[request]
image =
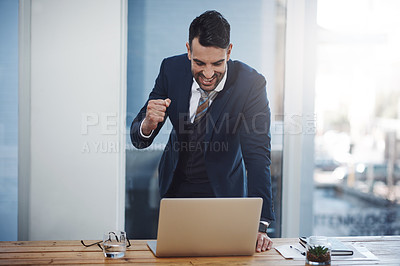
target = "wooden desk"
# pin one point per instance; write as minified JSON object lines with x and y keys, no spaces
{"x":386,"y":248}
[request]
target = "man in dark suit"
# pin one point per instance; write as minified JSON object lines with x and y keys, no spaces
{"x":220,"y":142}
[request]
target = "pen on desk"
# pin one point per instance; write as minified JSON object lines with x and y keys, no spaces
{"x":301,"y":252}
{"x":303,"y":241}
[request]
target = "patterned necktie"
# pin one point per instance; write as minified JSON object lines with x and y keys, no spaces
{"x":204,"y":102}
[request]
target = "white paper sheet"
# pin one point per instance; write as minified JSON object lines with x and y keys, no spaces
{"x":294,"y":251}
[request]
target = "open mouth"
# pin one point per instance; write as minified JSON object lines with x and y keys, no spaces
{"x":207,"y":82}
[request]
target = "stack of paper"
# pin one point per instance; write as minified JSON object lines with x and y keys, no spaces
{"x":297,"y":252}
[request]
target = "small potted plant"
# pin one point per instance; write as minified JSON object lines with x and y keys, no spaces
{"x":318,"y":251}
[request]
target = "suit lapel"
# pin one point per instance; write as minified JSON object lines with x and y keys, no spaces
{"x":184,"y":93}
{"x":217,"y":106}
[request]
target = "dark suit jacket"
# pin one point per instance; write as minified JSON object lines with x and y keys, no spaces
{"x":237,"y":136}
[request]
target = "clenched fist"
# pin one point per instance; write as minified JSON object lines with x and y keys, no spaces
{"x":155,"y":114}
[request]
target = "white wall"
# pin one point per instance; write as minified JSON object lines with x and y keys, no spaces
{"x":76,"y":180}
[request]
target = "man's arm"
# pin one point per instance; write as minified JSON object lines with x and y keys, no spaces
{"x":152,"y":116}
{"x":256,"y":147}
{"x":255,"y":143}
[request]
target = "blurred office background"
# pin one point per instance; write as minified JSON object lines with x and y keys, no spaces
{"x":357,"y":85}
{"x":73,"y":75}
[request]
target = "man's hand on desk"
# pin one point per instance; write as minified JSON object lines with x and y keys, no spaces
{"x":263,"y":242}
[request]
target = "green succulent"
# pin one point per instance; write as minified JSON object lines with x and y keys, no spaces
{"x":318,"y":254}
{"x":318,"y":250}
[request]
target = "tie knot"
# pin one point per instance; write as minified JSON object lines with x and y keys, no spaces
{"x":204,"y":102}
{"x":203,"y":93}
{"x":207,"y":94}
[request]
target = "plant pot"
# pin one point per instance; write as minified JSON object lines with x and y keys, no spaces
{"x":318,"y":251}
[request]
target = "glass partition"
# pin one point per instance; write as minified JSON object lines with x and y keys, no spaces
{"x":8,"y":120}
{"x":357,"y":145}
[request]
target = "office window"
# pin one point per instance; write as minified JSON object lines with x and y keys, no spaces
{"x":159,"y":29}
{"x":8,"y":120}
{"x":357,"y":145}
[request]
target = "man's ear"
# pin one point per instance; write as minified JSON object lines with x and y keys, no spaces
{"x":228,"y":52}
{"x":188,"y":51}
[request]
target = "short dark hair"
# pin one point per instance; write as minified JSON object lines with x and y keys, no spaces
{"x":211,"y":28}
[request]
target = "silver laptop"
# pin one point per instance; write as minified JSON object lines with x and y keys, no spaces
{"x":207,"y":227}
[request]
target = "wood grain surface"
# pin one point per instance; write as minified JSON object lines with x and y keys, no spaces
{"x":386,"y":248}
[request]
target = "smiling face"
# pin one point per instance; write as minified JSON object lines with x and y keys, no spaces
{"x":208,"y":63}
